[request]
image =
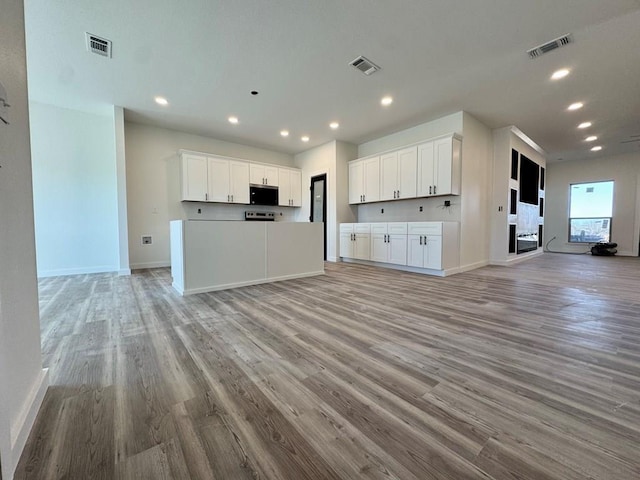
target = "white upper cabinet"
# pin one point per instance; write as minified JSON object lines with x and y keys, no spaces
{"x":398,"y":174}
{"x":290,"y":187}
{"x":239,"y":182}
{"x":214,"y":179}
{"x":193,"y":174}
{"x":260,"y":174}
{"x":364,"y":180}
{"x":439,"y":165}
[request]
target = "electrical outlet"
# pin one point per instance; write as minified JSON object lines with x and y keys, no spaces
{"x":382,"y":210}
{"x":447,"y":203}
{"x":147,"y":240}
{"x":199,"y":210}
{"x":420,"y":208}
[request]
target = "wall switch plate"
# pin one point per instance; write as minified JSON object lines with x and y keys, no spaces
{"x":147,"y":240}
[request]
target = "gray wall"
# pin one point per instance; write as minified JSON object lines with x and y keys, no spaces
{"x":624,"y":170}
{"x":22,"y":380}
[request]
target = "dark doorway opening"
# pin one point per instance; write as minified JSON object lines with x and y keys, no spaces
{"x":318,"y":205}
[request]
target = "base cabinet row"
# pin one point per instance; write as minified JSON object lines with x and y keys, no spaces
{"x":428,"y":245}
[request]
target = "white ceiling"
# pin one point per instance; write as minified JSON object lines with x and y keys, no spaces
{"x":437,"y":57}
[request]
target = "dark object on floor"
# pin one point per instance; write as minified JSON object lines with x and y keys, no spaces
{"x":604,"y":249}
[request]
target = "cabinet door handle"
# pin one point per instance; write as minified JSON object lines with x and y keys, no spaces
{"x":425,"y":239}
{"x":430,"y":187}
{"x":434,"y":189}
{"x":228,"y":198}
{"x":398,"y":193}
{"x":206,"y":196}
{"x":394,"y":194}
{"x":231,"y":198}
{"x":420,"y":239}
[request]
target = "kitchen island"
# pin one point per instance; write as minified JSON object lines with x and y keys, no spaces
{"x":208,"y":255}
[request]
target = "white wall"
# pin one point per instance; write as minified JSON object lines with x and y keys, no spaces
{"x":22,"y":380}
{"x":450,"y":124}
{"x":477,"y":173}
{"x":75,"y":191}
{"x":153,"y":187}
{"x":624,"y":170}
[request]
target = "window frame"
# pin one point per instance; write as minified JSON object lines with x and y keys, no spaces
{"x":594,"y":218}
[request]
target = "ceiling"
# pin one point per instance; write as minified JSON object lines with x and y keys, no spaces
{"x":437,"y":57}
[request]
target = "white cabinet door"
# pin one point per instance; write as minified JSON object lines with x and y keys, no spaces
{"x":263,"y":174}
{"x":284,"y":190}
{"x":407,"y":173}
{"x":426,"y":160}
{"x":442,"y":166}
{"x":290,"y":189}
{"x":346,"y":244}
{"x":295,"y":188}
{"x":356,"y":182}
{"x":239,"y":182}
{"x":389,"y":176}
{"x":397,"y":249}
{"x":433,"y":252}
{"x":415,"y":251}
{"x":256,"y":174}
{"x":379,"y":247}
{"x":218,"y":179}
{"x":194,"y":178}
{"x":362,"y":248}
{"x":371,"y":175}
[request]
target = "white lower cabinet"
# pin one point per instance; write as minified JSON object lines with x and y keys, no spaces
{"x":423,"y":245}
{"x":389,"y":243}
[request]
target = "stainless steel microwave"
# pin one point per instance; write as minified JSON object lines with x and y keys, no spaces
{"x":263,"y":195}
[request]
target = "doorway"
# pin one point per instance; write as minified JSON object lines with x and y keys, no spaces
{"x":318,"y":205}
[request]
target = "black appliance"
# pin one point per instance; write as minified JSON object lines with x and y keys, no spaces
{"x":263,"y":195}
{"x":260,"y":216}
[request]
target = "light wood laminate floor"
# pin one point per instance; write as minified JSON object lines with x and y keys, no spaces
{"x":526,"y":372}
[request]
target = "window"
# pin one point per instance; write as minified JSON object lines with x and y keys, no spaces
{"x":590,"y":211}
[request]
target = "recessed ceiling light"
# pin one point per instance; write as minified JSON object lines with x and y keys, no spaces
{"x":284,"y":133}
{"x":304,"y":138}
{"x":558,"y":74}
{"x":386,"y":101}
{"x":233,"y":120}
{"x":575,"y":106}
{"x":592,"y":138}
{"x":161,"y":101}
{"x":585,"y":125}
{"x":597,"y":148}
{"x":334,"y":125}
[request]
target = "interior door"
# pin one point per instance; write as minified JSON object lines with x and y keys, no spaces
{"x":318,"y":205}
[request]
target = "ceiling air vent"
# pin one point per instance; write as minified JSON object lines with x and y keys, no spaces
{"x":98,"y":45}
{"x":365,"y":65}
{"x":549,"y":46}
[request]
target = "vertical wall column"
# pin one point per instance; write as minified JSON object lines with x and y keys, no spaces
{"x":121,"y":179}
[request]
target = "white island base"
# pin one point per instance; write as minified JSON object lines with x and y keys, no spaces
{"x":211,"y":255}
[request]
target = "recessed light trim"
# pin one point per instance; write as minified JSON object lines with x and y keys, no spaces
{"x":334,"y":125}
{"x":161,"y":101}
{"x":304,"y":138}
{"x":233,"y":120}
{"x":386,"y":101}
{"x":592,"y":138}
{"x":597,"y":148}
{"x":575,"y":106}
{"x":558,"y":74}
{"x":585,"y":125}
{"x":284,"y":133}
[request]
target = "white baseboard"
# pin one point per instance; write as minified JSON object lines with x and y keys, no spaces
{"x":123,"y":272}
{"x":215,"y":288}
{"x":513,"y":260}
{"x":332,"y":259}
{"x":473,"y":266}
{"x":138,"y":266}
{"x":21,"y":428}
{"x":405,"y":268}
{"x":59,"y":272}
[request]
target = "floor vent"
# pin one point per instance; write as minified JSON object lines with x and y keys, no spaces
{"x":97,"y":45}
{"x":365,"y":65}
{"x":550,"y":46}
